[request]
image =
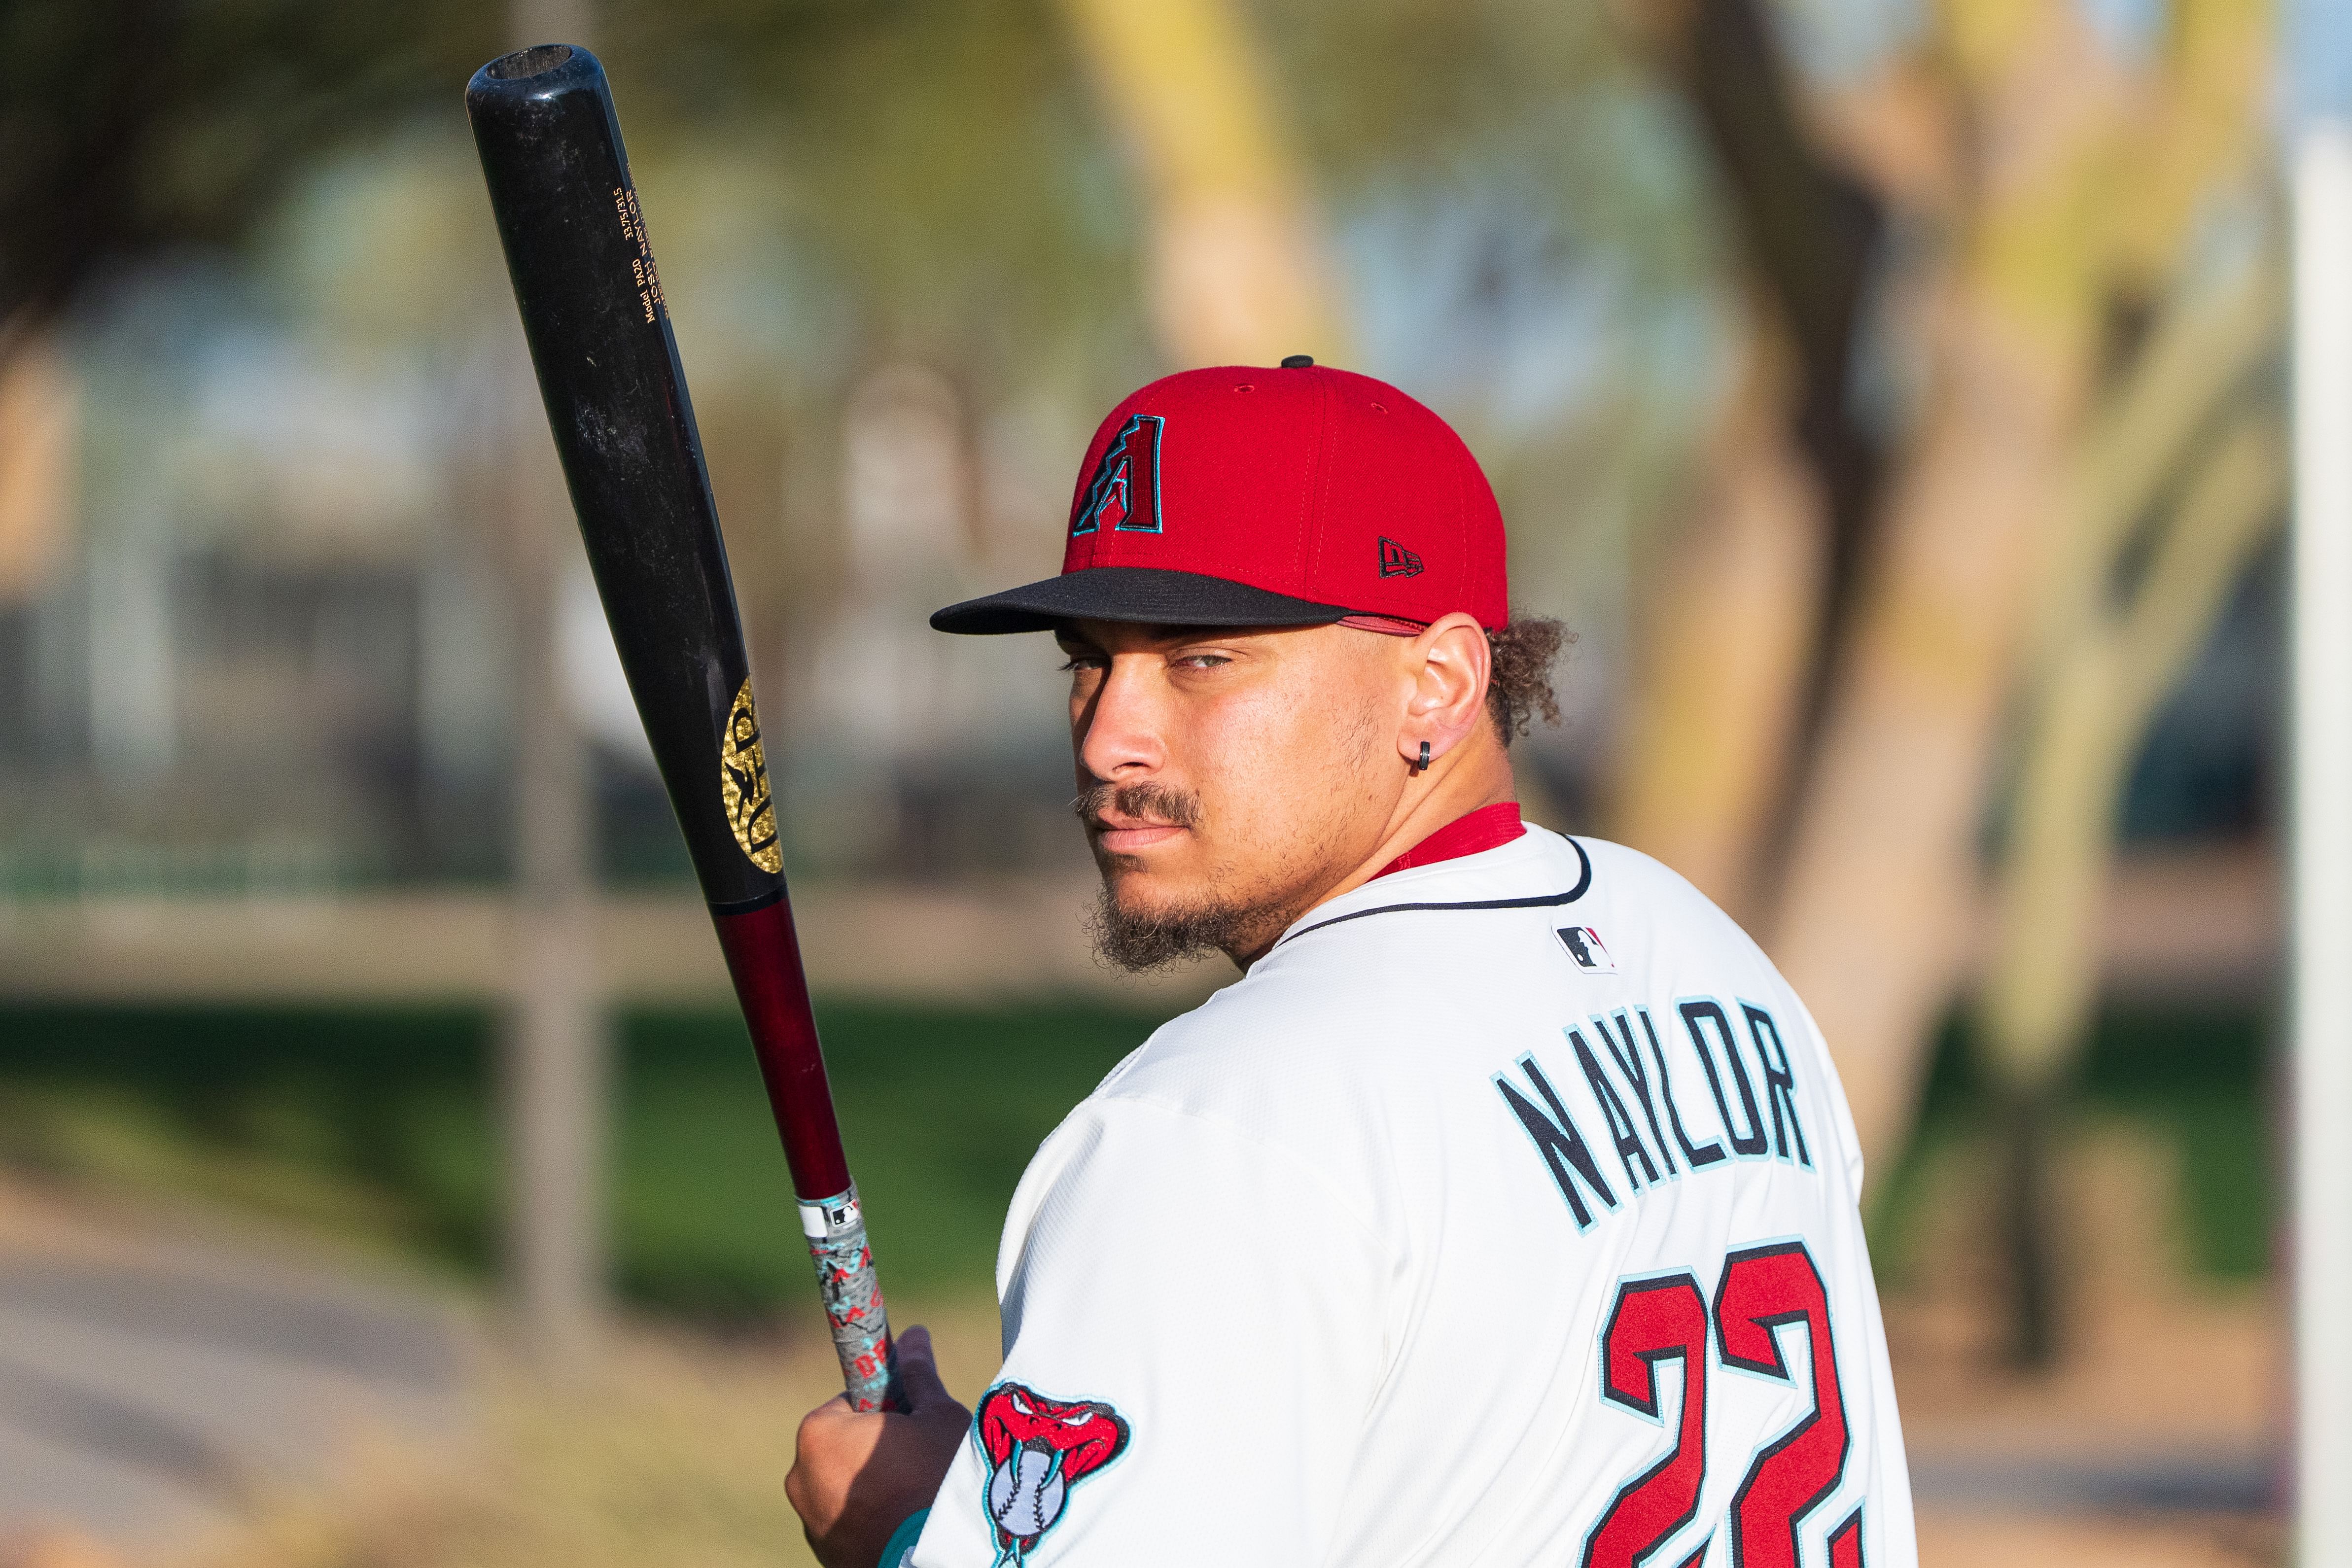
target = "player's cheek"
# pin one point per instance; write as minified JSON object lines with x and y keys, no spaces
{"x":1245,"y":761}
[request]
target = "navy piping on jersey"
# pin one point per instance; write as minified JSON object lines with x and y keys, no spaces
{"x":1549,"y":900}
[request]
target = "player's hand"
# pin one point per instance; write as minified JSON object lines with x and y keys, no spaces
{"x":855,"y":1479}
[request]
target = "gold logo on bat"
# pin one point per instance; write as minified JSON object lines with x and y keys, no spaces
{"x":743,"y":785}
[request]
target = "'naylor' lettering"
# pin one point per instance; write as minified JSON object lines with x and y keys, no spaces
{"x":1621,"y":1131}
{"x":1779,"y":1083}
{"x":1769,"y":1129}
{"x":1705,"y":1154}
{"x":1628,"y":1058}
{"x":1698,"y":1014}
{"x":1555,"y":1135}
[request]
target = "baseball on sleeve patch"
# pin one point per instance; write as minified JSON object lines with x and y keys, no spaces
{"x":1037,"y":1449}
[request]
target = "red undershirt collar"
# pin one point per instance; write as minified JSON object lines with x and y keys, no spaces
{"x":1487,"y":827}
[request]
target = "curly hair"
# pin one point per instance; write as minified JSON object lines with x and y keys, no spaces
{"x":1520,"y":687}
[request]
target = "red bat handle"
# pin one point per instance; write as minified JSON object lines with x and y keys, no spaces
{"x":764,"y":957}
{"x":764,"y":954}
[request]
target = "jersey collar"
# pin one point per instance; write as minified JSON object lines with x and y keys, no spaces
{"x":1517,"y":872}
{"x":1487,"y":827}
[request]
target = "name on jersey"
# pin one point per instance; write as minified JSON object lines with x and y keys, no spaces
{"x":1634,"y":1089}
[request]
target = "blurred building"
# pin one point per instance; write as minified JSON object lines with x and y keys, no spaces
{"x":253,"y":625}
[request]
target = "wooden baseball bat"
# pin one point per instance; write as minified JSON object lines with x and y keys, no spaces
{"x":616,"y":402}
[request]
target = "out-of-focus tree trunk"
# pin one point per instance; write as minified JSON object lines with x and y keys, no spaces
{"x":555,"y":1049}
{"x":2100,"y":693}
{"x":2056,"y":188}
{"x":1731,"y":607}
{"x":38,"y":404}
{"x":2100,"y":672}
{"x":1238,"y":276}
{"x":1874,"y":919}
{"x":2081,"y":193}
{"x":1748,"y":618}
{"x":1873,"y":922}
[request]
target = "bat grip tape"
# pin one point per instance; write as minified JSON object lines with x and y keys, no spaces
{"x":854,"y":1308}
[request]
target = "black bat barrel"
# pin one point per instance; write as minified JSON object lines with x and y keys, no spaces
{"x":600,"y":339}
{"x":616,"y":402}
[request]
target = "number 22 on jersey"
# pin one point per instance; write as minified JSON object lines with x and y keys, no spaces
{"x":1664,"y":1318}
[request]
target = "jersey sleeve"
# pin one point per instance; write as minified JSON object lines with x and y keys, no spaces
{"x":1841,"y":1114}
{"x":1194,"y":1327}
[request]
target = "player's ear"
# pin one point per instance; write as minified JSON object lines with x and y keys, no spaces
{"x":1450,"y":664}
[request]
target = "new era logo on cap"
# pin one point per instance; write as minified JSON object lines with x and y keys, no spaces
{"x":1396,"y":560}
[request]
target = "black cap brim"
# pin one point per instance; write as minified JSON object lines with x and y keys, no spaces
{"x":1145,"y":594}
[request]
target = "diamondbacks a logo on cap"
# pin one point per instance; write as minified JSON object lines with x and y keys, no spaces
{"x":1396,"y":560}
{"x":1125,"y":495}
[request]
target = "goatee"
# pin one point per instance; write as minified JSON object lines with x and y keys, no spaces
{"x":1139,"y":941}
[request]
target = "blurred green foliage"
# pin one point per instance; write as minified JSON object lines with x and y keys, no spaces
{"x":2198,"y":1078}
{"x":379,"y":1127}
{"x":931,"y":154}
{"x":136,"y":126}
{"x":1524,"y":219}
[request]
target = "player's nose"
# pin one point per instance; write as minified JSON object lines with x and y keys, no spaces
{"x":1119,"y":737}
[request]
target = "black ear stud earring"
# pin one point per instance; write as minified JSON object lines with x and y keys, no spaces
{"x":1423,"y":765}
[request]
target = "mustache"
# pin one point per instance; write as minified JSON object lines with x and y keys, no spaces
{"x":1151,"y":803}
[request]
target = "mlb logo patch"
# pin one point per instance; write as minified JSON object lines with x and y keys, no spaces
{"x":1584,"y":945}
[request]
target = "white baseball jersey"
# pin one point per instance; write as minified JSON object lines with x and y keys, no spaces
{"x":1503,"y":1214}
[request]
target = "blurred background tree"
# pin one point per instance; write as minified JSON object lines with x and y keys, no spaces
{"x":2010,"y":211}
{"x":1848,"y":373}
{"x":1885,"y":391}
{"x":137,"y":126}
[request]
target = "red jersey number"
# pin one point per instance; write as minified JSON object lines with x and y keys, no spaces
{"x":1654,"y":1320}
{"x":1763,"y":1290}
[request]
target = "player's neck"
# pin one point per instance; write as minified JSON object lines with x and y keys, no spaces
{"x":1475,"y":776}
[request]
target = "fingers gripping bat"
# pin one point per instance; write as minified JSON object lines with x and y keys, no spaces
{"x":608,"y":370}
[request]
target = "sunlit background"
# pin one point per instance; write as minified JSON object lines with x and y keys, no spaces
{"x":1891,"y":396}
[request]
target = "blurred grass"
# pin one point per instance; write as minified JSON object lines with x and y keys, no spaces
{"x":2196,"y":1077}
{"x":670,"y":1456}
{"x":378,"y":1126}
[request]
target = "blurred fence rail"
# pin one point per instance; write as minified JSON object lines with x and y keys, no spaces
{"x":1013,"y":938}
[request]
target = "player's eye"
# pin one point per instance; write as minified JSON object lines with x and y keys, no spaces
{"x":1202,"y":661}
{"x":1082,"y":662}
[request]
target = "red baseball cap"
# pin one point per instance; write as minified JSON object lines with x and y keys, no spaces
{"x":1245,"y":497}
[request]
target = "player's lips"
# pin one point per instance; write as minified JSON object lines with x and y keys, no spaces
{"x":1118,"y":833}
{"x":1135,"y":819}
{"x":1127,"y":841}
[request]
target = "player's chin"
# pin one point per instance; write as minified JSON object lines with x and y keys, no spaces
{"x":1144,"y":887}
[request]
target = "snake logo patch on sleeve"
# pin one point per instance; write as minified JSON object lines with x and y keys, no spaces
{"x":1037,"y":1449}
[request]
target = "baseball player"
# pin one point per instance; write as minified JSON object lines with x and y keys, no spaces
{"x":1503,"y":1212}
